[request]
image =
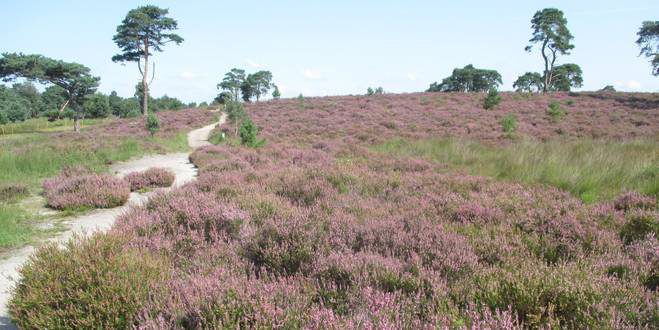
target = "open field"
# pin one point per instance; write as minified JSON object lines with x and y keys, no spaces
{"x":28,"y":158}
{"x":393,"y":211}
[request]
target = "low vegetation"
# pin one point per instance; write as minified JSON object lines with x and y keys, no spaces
{"x":32,"y":157}
{"x":154,"y":177}
{"x":589,"y":169}
{"x":353,"y":216}
{"x":79,"y":188}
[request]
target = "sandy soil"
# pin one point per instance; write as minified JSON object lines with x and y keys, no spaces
{"x":101,"y":220}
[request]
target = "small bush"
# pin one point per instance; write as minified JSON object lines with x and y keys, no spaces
{"x":248,"y":132}
{"x":78,"y":188}
{"x":633,"y":200}
{"x":492,"y":99}
{"x":509,"y":124}
{"x":152,"y":178}
{"x":639,"y":225}
{"x":92,"y":283}
{"x":152,"y":123}
{"x":9,"y":192}
{"x":555,"y":111}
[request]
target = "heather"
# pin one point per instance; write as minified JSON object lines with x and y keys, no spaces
{"x":79,"y":188}
{"x":319,"y":229}
{"x":154,"y":177}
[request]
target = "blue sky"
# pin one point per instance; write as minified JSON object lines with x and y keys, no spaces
{"x":334,"y":47}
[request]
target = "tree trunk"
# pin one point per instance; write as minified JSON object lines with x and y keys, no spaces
{"x":546,"y":73}
{"x":62,"y":108}
{"x":145,"y":75}
{"x":76,"y":121}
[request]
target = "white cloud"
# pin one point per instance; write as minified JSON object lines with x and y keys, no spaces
{"x":631,"y":84}
{"x":312,"y":74}
{"x":253,"y":64}
{"x":187,"y":75}
{"x":411,"y":76}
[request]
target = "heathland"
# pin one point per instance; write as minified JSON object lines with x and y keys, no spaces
{"x":386,"y":211}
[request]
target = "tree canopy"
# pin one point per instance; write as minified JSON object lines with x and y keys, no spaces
{"x":256,"y":84}
{"x":74,"y":79}
{"x":648,"y":40}
{"x":468,"y":79}
{"x":232,"y":82}
{"x":529,"y":82}
{"x":551,"y":32}
{"x":145,"y":30}
{"x":566,"y":77}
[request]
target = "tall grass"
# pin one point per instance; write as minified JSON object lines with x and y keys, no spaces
{"x":33,"y":157}
{"x":590,"y":169}
{"x":15,"y":228}
{"x":28,"y":159}
{"x":43,"y":125}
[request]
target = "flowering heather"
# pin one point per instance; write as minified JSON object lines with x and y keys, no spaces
{"x":79,"y":188}
{"x":151,"y":178}
{"x":171,"y":122}
{"x":317,"y":231}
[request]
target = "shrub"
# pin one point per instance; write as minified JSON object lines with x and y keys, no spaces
{"x":152,"y":178}
{"x":555,"y":111}
{"x":248,"y":132}
{"x":492,"y":99}
{"x":152,"y":123}
{"x":78,"y":188}
{"x":633,"y":200}
{"x":639,"y":224}
{"x":565,"y":296}
{"x":9,"y":192}
{"x":92,"y":282}
{"x":509,"y":124}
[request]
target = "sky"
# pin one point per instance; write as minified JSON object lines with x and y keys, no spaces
{"x":337,"y":47}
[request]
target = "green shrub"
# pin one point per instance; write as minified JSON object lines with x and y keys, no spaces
{"x":91,"y":283}
{"x":152,"y":123}
{"x":566,"y":296}
{"x":555,"y":111}
{"x":639,"y":224}
{"x":248,"y":132}
{"x":300,"y":99}
{"x":509,"y":124}
{"x":492,"y":99}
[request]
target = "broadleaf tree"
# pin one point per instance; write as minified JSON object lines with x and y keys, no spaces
{"x":74,"y":78}
{"x":551,"y":32}
{"x":648,"y":40}
{"x":468,"y":79}
{"x":144,"y":31}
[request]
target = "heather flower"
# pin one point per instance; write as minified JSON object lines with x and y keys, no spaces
{"x":152,"y":178}
{"x":80,"y":188}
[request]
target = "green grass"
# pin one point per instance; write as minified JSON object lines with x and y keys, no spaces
{"x":590,"y":170}
{"x":27,"y":159}
{"x":15,"y":228}
{"x":43,"y":125}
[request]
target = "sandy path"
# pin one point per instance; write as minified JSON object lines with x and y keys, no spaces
{"x":102,"y":219}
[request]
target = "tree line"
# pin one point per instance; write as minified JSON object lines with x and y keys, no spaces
{"x":553,"y":38}
{"x":24,"y":101}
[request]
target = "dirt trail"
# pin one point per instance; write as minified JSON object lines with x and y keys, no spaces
{"x":102,"y":219}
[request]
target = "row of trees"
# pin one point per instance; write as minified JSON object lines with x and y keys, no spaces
{"x":553,"y":38}
{"x":236,"y":84}
{"x":24,"y":101}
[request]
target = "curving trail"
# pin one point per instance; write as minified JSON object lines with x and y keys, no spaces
{"x":102,"y":219}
